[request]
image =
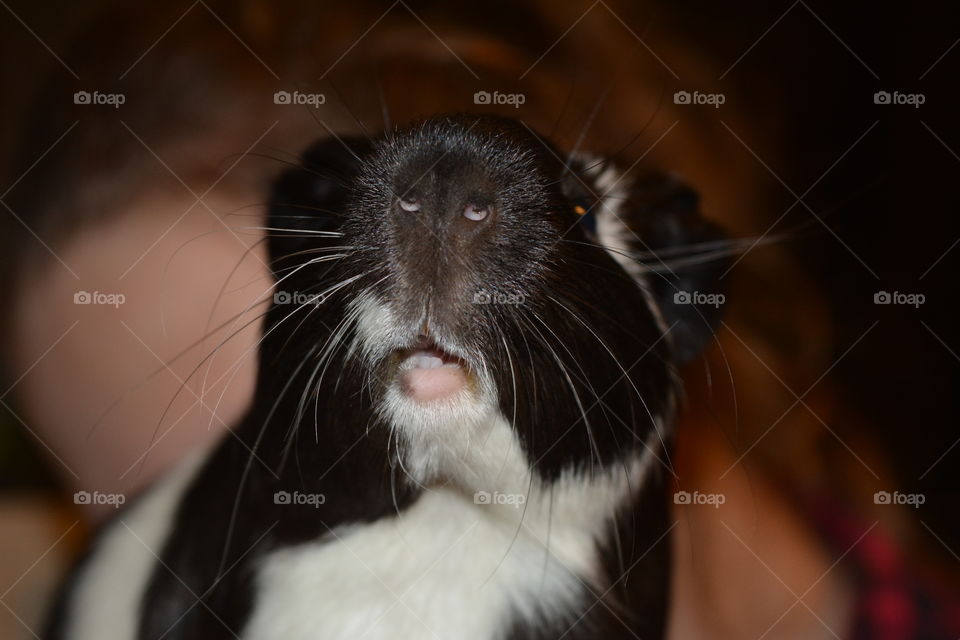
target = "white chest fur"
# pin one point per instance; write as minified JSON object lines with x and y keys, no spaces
{"x":448,"y":567}
{"x":443,"y":569}
{"x":106,"y":600}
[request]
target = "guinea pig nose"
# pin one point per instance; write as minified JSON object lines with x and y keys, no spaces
{"x":477,"y":213}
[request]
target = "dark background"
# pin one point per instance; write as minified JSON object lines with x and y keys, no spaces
{"x":893,"y":200}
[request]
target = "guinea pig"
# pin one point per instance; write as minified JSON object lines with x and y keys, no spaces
{"x":462,"y":422}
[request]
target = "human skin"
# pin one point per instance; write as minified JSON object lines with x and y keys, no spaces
{"x":113,"y":392}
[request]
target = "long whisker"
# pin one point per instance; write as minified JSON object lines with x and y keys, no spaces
{"x":576,"y":395}
{"x":264,"y":292}
{"x":626,"y":374}
{"x":325,"y":295}
{"x":169,"y":363}
{"x":256,"y":444}
{"x":312,"y":232}
{"x":231,"y":525}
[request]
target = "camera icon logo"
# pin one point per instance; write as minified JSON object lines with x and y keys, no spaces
{"x":82,"y":497}
{"x":282,"y":297}
{"x":882,"y":97}
{"x":282,"y":97}
{"x":482,"y":97}
{"x":82,"y":297}
{"x":482,"y":497}
{"x":682,"y":497}
{"x":882,"y":297}
{"x":882,"y":497}
{"x":281,"y":497}
{"x":682,"y":97}
{"x":481,"y":297}
{"x":81,"y":97}
{"x":682,"y":297}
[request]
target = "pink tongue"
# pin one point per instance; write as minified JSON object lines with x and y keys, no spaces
{"x":427,"y":385}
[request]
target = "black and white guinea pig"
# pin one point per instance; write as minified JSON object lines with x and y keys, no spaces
{"x":463,"y":414}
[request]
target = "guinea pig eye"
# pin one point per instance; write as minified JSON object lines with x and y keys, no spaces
{"x":475,"y":213}
{"x":410,"y":205}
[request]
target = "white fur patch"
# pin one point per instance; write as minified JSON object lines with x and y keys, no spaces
{"x":612,"y":232}
{"x":105,"y":601}
{"x":436,"y":438}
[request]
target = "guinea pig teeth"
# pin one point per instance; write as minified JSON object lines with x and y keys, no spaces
{"x":423,"y":361}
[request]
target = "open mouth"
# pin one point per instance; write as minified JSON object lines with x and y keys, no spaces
{"x":427,"y":373}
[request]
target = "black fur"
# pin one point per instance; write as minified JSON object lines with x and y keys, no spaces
{"x":666,"y":215}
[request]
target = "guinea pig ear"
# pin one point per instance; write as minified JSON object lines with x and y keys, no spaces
{"x":310,"y":197}
{"x":657,"y":220}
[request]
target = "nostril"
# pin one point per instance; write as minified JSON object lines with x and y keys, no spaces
{"x":411,"y":205}
{"x":477,"y":212}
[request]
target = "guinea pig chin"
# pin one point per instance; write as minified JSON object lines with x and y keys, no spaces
{"x":414,"y":366}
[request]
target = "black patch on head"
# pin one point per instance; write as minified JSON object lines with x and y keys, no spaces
{"x":680,"y":253}
{"x":665,"y":216}
{"x":310,"y":196}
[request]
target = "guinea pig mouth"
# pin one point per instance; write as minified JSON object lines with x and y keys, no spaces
{"x":426,"y":373}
